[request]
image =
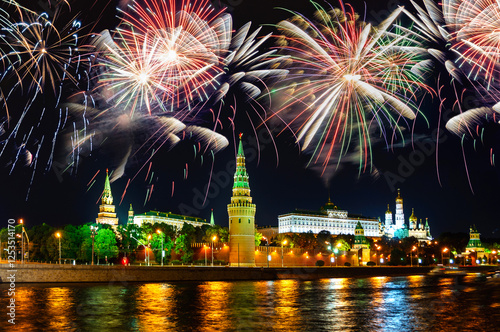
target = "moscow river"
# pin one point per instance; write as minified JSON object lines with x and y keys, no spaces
{"x":414,"y":303}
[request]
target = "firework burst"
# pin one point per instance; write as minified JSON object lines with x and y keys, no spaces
{"x":463,"y":36}
{"x":167,"y":55}
{"x":41,"y":54}
{"x":346,"y":76}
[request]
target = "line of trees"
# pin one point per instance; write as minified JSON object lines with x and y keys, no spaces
{"x":111,"y":245}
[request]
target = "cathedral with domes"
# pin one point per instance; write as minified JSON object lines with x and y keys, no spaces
{"x":397,"y":227}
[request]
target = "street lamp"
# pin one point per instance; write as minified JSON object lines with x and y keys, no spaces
{"x":58,"y":235}
{"x":205,"y":247}
{"x":93,"y":231}
{"x":282,"y":243}
{"x":268,"y":258}
{"x":336,"y":251}
{"x":411,"y":255}
{"x":161,"y":237}
{"x":213,"y":240}
{"x":22,"y":241}
{"x":329,"y":248}
{"x":378,"y":254}
{"x":444,"y":250}
{"x":149,"y":246}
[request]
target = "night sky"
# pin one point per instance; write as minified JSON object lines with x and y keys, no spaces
{"x":279,"y":182}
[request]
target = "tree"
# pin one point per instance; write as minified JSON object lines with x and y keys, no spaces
{"x":71,"y":241}
{"x":85,"y":252}
{"x":398,"y":257}
{"x":342,"y":244}
{"x":183,"y":247}
{"x":306,"y":240}
{"x":258,"y":237}
{"x":183,"y":242}
{"x":105,"y":244}
{"x":159,"y":239}
{"x":323,"y":239}
{"x":347,"y":238}
{"x":223,"y":234}
{"x":43,"y":243}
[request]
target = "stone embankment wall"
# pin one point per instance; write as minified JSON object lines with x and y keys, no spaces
{"x":86,"y":273}
{"x":52,"y":273}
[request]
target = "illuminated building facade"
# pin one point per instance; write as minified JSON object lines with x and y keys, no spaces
{"x":241,"y":213}
{"x":399,"y":228}
{"x":175,"y":220}
{"x":328,"y":218}
{"x":107,"y":214}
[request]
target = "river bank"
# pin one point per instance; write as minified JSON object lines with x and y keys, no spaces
{"x":53,"y":273}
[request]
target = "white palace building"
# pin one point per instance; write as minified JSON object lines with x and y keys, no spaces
{"x":329,"y":218}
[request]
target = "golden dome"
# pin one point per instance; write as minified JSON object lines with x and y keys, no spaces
{"x":412,"y":217}
{"x":399,"y":199}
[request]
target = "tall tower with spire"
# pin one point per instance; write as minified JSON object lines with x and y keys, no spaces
{"x":212,"y":221}
{"x":399,"y":217}
{"x":130,"y":215}
{"x":241,"y":217}
{"x":107,"y":213}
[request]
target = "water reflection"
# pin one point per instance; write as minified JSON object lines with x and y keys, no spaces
{"x":414,"y":303}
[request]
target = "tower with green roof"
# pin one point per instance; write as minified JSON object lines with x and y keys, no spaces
{"x":107,"y":214}
{"x":475,"y":249}
{"x":361,"y":243}
{"x":241,"y":212}
{"x":474,"y":241}
{"x":130,"y":215}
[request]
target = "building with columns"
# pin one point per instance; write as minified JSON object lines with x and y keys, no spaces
{"x":241,"y":213}
{"x":168,"y":218}
{"x":107,"y":214}
{"x":328,"y":218}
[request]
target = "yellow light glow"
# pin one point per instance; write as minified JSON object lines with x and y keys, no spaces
{"x":158,"y":231}
{"x":149,"y":237}
{"x":214,"y":238}
{"x":284,"y":242}
{"x":21,"y":221}
{"x":58,"y":234}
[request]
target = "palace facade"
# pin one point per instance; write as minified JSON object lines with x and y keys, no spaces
{"x":328,"y":218}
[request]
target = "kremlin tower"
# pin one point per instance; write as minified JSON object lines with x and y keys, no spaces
{"x":107,"y":213}
{"x":241,"y":217}
{"x":399,"y":217}
{"x":130,"y":215}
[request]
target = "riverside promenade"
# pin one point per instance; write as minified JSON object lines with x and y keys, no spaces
{"x":54,"y":273}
